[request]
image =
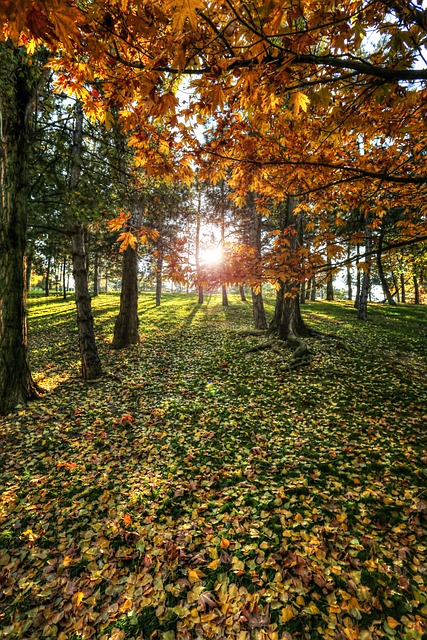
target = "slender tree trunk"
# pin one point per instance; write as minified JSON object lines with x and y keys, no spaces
{"x":384,"y":284}
{"x":29,"y":266}
{"x":242,"y":293}
{"x":349,"y":282}
{"x":126,"y":326}
{"x":329,"y":283}
{"x":47,"y":279}
{"x":396,"y":286}
{"x":224,"y":296}
{"x":197,"y":243}
{"x":254,"y":235}
{"x":159,"y":270}
{"x":90,"y":362}
{"x":366,"y":282}
{"x":402,"y":287}
{"x":302,"y":292}
{"x":313,"y":289}
{"x":416,"y":290}
{"x":64,"y":283}
{"x":96,"y":275}
{"x":16,"y":383}
{"x":358,"y":279}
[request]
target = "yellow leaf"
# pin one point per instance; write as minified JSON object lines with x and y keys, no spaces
{"x":299,"y":101}
{"x":78,"y":597}
{"x":392,"y":622}
{"x":195,"y":575}
{"x":214,"y":564}
{"x":287,"y":614}
{"x":183,"y":9}
{"x":225,"y":543}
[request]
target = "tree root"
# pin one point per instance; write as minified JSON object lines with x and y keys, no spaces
{"x":252,"y":332}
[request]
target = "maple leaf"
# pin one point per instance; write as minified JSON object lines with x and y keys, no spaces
{"x":299,"y":101}
{"x":183,"y":10}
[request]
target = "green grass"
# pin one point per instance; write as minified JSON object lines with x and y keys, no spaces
{"x":196,"y":490}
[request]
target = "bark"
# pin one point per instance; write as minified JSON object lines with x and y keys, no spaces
{"x":402,"y":287}
{"x":28,"y":268}
{"x":64,"y":283}
{"x":349,"y":282}
{"x":416,"y":291}
{"x":224,"y":296}
{"x":90,"y":362}
{"x":96,"y":275}
{"x":313,"y":289}
{"x":159,"y":270}
{"x":384,"y":284}
{"x":198,"y":225}
{"x":47,"y":280}
{"x":366,"y":282}
{"x":287,"y":322}
{"x":329,"y":283}
{"x":16,"y":383}
{"x":358,"y":280}
{"x":396,"y":286}
{"x":302,"y":294}
{"x":242,"y":293}
{"x":254,"y":235}
{"x":127,"y":322}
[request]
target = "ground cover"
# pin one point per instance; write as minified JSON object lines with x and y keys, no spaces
{"x":197,"y":491}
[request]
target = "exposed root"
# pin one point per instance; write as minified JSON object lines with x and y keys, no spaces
{"x":252,"y":332}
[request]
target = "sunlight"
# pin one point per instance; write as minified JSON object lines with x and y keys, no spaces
{"x":211,"y":255}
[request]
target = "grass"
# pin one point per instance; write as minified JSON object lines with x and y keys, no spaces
{"x":196,"y":491}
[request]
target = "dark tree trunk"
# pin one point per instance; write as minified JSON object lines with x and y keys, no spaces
{"x":126,"y":327}
{"x":159,"y":270}
{"x":396,"y":286}
{"x":29,"y":266}
{"x":242,"y":293}
{"x":198,"y":225}
{"x":254,"y":236}
{"x":349,"y":282}
{"x":16,"y":383}
{"x":90,"y":362}
{"x":402,"y":287}
{"x":313,"y":289}
{"x":366,"y":282}
{"x":416,"y":291}
{"x":329,"y":283}
{"x":302,"y":293}
{"x":224,"y":296}
{"x":96,"y":275}
{"x":47,"y":280}
{"x":287,"y":322}
{"x":358,"y":280}
{"x":64,"y":283}
{"x":384,"y":284}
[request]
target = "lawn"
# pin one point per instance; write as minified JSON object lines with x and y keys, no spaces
{"x":198,"y":491}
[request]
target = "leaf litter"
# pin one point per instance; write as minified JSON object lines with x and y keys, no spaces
{"x":199,"y":492}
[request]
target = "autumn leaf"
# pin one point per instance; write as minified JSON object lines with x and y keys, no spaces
{"x":183,"y":10}
{"x":299,"y":101}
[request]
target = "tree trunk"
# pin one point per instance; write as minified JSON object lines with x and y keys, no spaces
{"x":402,"y":287}
{"x":47,"y":279}
{"x":159,"y":269}
{"x":197,"y":243}
{"x":254,"y":236}
{"x":349,"y":282}
{"x":64,"y":283}
{"x":384,"y":284}
{"x":258,"y":310}
{"x":96,"y":275}
{"x":242,"y":293}
{"x":416,"y":291}
{"x":302,"y":293}
{"x":396,"y":286}
{"x":313,"y":289}
{"x":127,"y":322}
{"x":29,"y":266}
{"x":90,"y":362}
{"x":366,"y":282}
{"x":16,"y":383}
{"x":224,"y":296}
{"x":358,"y":280}
{"x":329,"y":283}
{"x":287,"y":322}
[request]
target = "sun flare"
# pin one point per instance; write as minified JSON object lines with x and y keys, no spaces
{"x":211,"y":255}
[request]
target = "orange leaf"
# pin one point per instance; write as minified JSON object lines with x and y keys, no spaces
{"x":127,"y":519}
{"x":225,"y":543}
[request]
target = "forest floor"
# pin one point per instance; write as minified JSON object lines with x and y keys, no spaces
{"x":197,"y":491}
